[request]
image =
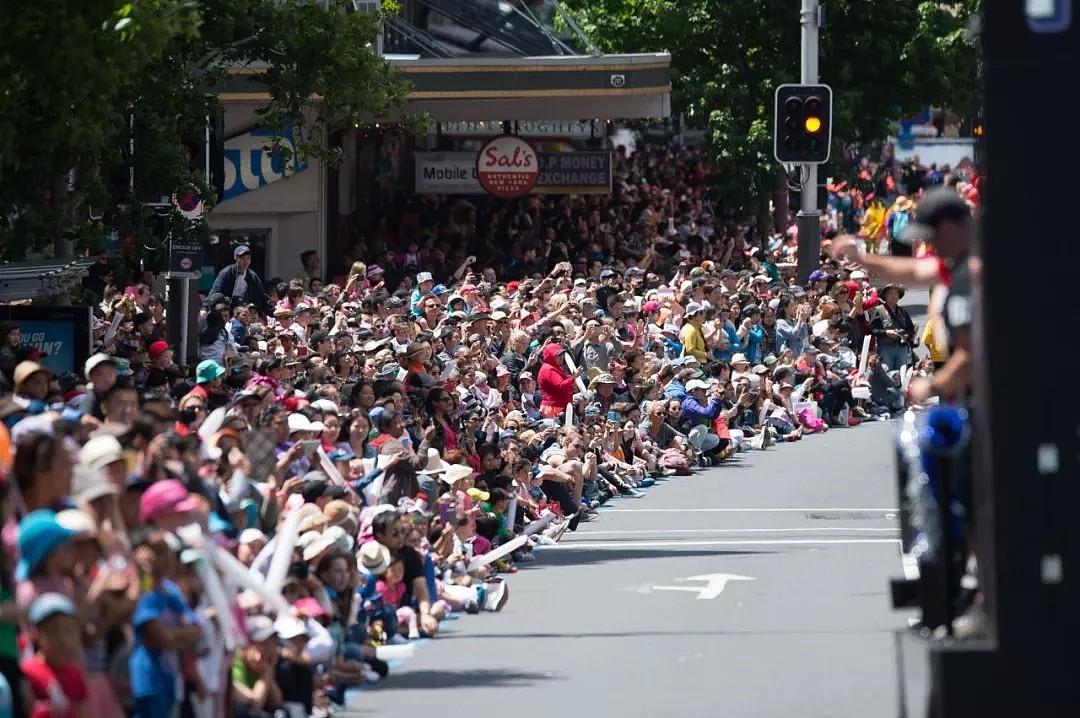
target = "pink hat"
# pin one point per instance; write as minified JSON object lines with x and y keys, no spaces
{"x":309,"y":607}
{"x":650,"y":307}
{"x":165,"y":497}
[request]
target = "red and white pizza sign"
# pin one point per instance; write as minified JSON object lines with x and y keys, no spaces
{"x":508,"y":166}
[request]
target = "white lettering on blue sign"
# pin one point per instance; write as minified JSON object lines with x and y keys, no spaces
{"x":250,"y":163}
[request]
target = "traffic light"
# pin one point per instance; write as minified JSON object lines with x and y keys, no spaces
{"x":802,"y":133}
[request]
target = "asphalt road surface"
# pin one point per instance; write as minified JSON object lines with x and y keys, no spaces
{"x":758,"y":588}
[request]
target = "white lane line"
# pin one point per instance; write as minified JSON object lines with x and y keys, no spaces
{"x":588,"y":546}
{"x":746,"y":511}
{"x":738,"y":531}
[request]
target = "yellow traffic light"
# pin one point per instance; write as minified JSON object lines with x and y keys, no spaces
{"x":812,"y":124}
{"x":979,"y":130}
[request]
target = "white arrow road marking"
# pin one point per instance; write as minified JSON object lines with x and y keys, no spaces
{"x":714,"y":584}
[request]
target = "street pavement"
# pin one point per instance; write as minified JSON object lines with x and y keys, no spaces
{"x":757,"y":588}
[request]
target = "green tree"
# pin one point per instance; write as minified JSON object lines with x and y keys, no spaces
{"x":884,"y":59}
{"x":84,"y":79}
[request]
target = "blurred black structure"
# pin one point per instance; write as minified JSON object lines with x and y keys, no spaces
{"x":1027,"y":447}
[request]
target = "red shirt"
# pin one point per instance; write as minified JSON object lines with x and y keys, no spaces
{"x":57,"y":690}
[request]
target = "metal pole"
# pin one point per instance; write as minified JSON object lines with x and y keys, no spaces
{"x":808,"y":222}
{"x":185,"y":309}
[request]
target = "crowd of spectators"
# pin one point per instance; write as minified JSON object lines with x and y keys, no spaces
{"x":349,"y":464}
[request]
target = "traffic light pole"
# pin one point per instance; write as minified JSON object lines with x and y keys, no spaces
{"x":808,"y":218}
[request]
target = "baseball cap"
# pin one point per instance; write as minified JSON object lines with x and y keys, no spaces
{"x":938,"y":205}
{"x":424,"y":277}
{"x":299,"y":422}
{"x":241,"y":250}
{"x":696,"y":384}
{"x":260,"y":628}
{"x":341,"y":454}
{"x":47,"y":605}
{"x":817,"y":275}
{"x":39,"y":535}
{"x":165,"y":497}
{"x":288,"y":627}
{"x":157,"y":349}
{"x":97,"y":360}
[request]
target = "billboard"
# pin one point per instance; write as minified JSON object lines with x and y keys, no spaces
{"x":62,"y":334}
{"x":560,"y":173}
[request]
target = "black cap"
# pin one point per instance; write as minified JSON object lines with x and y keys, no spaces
{"x":320,"y":336}
{"x":315,"y":487}
{"x":939,"y":205}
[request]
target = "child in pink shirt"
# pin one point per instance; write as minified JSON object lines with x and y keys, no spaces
{"x":391,"y":588}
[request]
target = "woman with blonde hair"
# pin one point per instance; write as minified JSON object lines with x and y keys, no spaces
{"x":356,"y":280}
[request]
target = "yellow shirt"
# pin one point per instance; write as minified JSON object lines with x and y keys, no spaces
{"x":693,"y":342}
{"x":938,"y":351}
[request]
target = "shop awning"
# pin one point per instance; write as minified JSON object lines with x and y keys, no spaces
{"x":484,"y":60}
{"x":47,"y":278}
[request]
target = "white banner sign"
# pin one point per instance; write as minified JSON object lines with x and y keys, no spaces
{"x":447,"y":173}
{"x":522,"y":128}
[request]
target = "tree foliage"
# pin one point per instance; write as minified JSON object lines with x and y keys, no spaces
{"x":884,"y":59}
{"x":86,"y":78}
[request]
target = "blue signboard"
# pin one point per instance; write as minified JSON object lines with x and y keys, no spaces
{"x":251,"y":164}
{"x":62,"y":334}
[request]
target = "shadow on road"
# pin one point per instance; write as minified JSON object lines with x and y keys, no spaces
{"x":585,"y":556}
{"x":459,"y":678}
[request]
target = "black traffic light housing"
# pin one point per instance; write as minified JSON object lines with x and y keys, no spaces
{"x":802,"y":132}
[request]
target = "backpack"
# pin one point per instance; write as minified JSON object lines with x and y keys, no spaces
{"x":900,"y":220}
{"x":675,"y":459}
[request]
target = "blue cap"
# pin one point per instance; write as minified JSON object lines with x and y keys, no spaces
{"x":39,"y":536}
{"x":49,"y":604}
{"x":818,"y":275}
{"x":207,"y":371}
{"x":440,"y":289}
{"x":342,"y":454}
{"x":241,"y":250}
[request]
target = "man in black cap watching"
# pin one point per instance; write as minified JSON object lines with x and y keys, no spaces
{"x":317,"y":489}
{"x":239,"y":283}
{"x":322,"y":344}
